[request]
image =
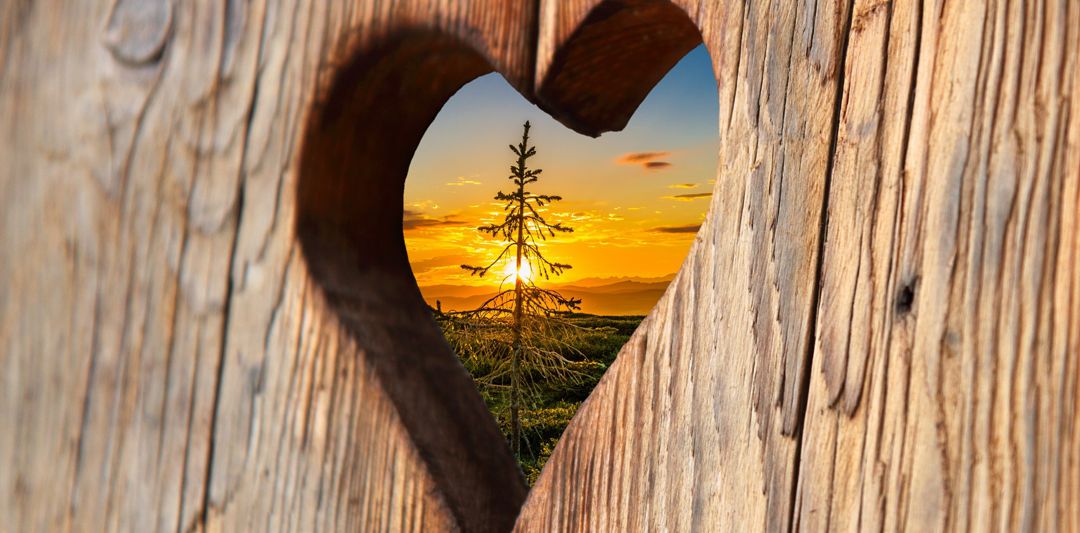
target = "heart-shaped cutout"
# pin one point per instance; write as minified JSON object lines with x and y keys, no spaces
{"x":630,"y":204}
{"x":356,"y":154}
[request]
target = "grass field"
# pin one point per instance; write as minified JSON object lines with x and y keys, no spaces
{"x":550,"y":408}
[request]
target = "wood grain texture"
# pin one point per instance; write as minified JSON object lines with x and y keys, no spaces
{"x":945,"y":379}
{"x":695,"y":426}
{"x":938,"y":365}
{"x":207,"y":320}
{"x":167,"y":359}
{"x":597,"y":65}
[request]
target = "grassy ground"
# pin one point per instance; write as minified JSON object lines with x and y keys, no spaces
{"x":551,"y":408}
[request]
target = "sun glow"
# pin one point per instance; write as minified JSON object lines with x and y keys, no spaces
{"x":510,"y":270}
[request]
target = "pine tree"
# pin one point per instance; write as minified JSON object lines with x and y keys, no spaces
{"x":518,"y":339}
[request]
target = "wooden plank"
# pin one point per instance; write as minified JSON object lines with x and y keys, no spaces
{"x":948,"y":329}
{"x":943,"y":385}
{"x":695,"y":427}
{"x":168,"y":362}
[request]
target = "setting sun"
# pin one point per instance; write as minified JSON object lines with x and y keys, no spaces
{"x":525,"y":273}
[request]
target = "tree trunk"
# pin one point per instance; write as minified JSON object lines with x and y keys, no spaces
{"x":207,"y":320}
{"x":515,"y":366}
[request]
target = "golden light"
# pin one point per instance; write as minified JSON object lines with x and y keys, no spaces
{"x":510,"y":270}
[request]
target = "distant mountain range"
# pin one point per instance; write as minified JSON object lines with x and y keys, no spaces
{"x":600,"y":296}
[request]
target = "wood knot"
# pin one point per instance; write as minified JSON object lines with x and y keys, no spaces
{"x":905,"y":298}
{"x":137,"y":31}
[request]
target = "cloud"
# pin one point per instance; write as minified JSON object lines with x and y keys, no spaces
{"x":678,"y":229}
{"x":414,"y":220}
{"x":424,"y":205}
{"x":690,"y":196}
{"x":647,"y":160}
{"x":463,"y":180}
{"x":634,"y":158}
{"x":425,"y":265}
{"x":682,"y":186}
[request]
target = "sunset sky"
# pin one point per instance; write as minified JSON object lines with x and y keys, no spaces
{"x":634,"y":198}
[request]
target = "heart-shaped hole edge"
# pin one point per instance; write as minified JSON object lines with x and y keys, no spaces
{"x":356,"y":151}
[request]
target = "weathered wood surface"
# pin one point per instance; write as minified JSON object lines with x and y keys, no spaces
{"x":207,"y":320}
{"x":933,"y":383}
{"x":696,"y":425}
{"x":167,"y":360}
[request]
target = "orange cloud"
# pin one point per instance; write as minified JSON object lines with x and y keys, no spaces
{"x":463,"y":180}
{"x":634,"y":158}
{"x":647,"y":160}
{"x":689,"y":197}
{"x":693,"y":228}
{"x":415,"y":220}
{"x":425,"y":265}
{"x":682,"y":186}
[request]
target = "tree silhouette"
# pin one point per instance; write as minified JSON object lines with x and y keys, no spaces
{"x":518,"y":338}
